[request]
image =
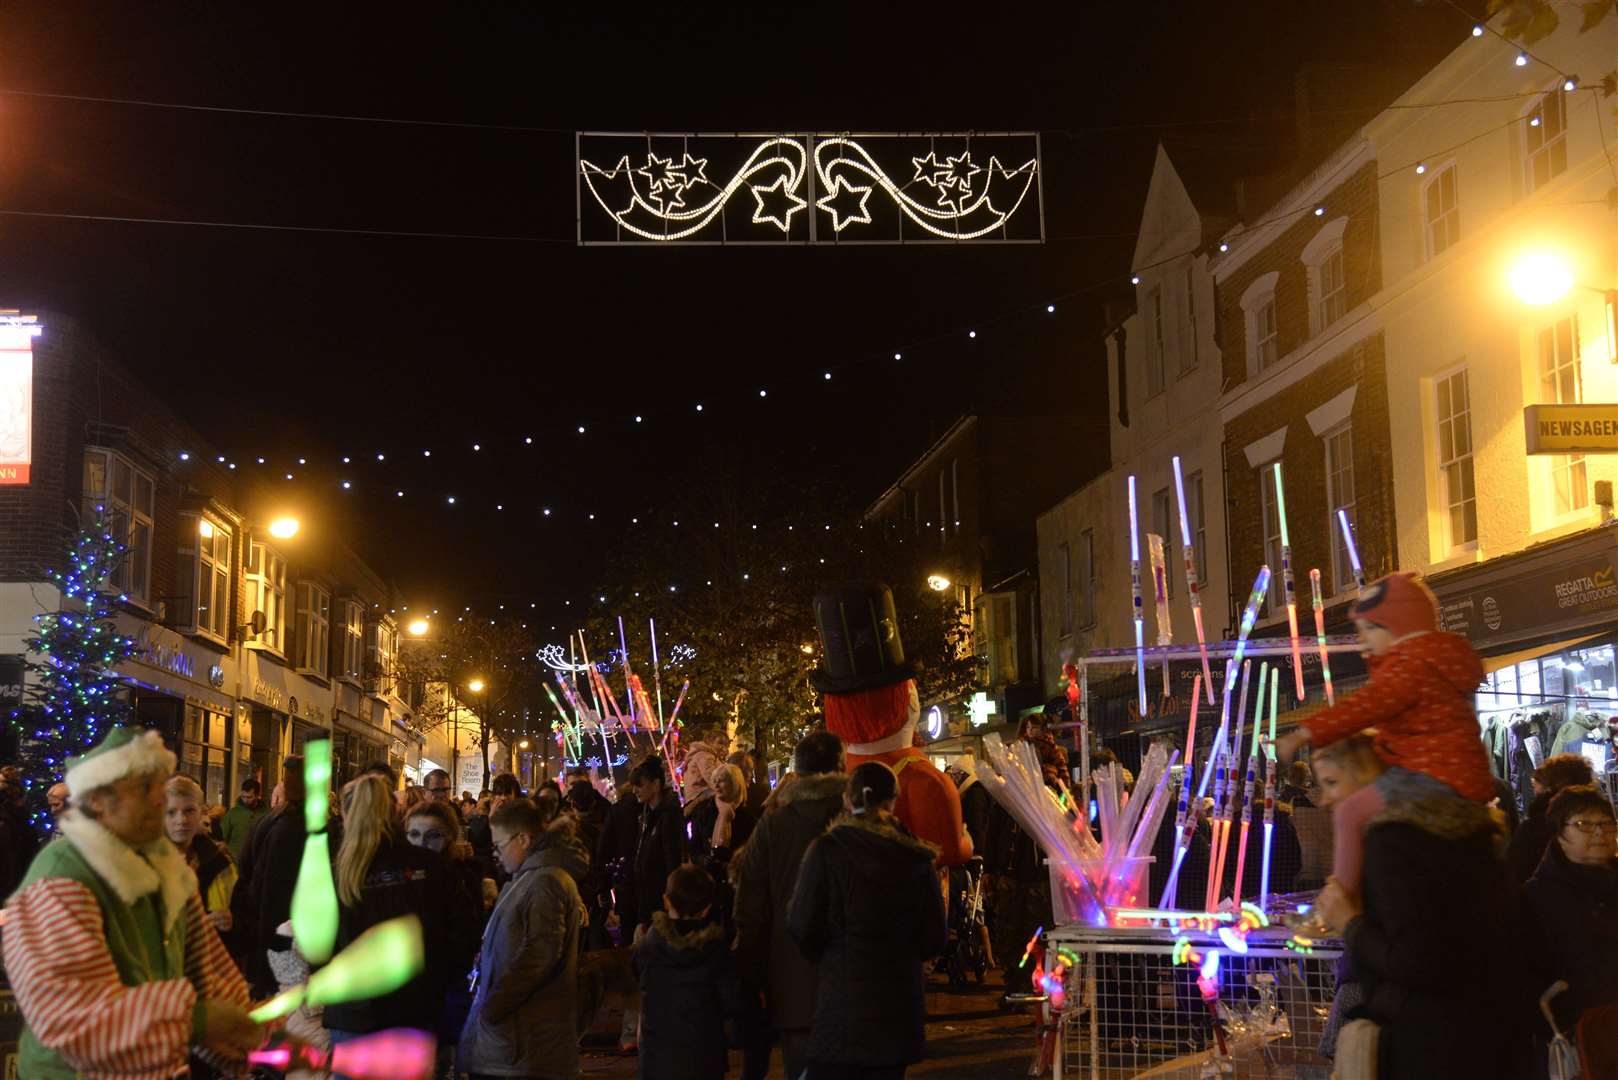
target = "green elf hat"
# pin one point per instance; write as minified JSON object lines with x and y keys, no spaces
{"x":124,"y":752}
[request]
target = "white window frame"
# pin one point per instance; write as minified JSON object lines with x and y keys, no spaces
{"x":1259,"y":310}
{"x":1455,"y":463}
{"x":200,"y":575}
{"x":267,"y":592}
{"x":1337,"y":449}
{"x":1166,"y":525}
{"x":1561,"y":382}
{"x":1328,"y":287}
{"x":1443,"y":231}
{"x":133,"y":578}
{"x":1189,"y":357}
{"x":1275,"y":601}
{"x":312,"y":639}
{"x":1156,"y":360}
{"x":1196,"y":510}
{"x":353,"y":651}
{"x":1547,"y":140}
{"x":381,"y":647}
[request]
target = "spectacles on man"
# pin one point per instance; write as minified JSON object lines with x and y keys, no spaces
{"x":500,"y":845}
{"x":1593,"y":826}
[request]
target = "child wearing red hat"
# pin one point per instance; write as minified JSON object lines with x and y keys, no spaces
{"x":1419,"y":700}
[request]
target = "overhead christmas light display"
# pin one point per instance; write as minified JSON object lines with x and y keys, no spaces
{"x":947,"y":187}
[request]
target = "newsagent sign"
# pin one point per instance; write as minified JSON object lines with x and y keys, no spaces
{"x":1571,"y":429}
{"x":808,"y":188}
{"x":17,"y":333}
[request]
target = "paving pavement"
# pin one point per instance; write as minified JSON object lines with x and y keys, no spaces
{"x":968,"y":1035}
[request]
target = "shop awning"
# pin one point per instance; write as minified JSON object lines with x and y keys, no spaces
{"x":1495,"y":663}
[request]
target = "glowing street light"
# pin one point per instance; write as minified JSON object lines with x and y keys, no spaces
{"x":476,"y":686}
{"x":418,"y":627}
{"x":1540,"y":278}
{"x":938,"y":582}
{"x":284,"y":528}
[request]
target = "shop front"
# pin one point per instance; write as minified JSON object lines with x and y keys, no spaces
{"x":178,"y":687}
{"x":284,"y":709}
{"x":1545,"y":621}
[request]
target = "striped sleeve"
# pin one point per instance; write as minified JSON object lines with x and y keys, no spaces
{"x":72,"y":1000}
{"x":206,"y":961}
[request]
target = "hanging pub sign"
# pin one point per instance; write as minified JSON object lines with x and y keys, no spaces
{"x":1571,"y":429}
{"x":17,"y":333}
{"x":801,"y":188}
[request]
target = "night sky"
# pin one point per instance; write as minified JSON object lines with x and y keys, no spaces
{"x":289,"y":344}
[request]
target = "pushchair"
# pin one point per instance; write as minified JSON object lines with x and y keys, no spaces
{"x":966,"y":953}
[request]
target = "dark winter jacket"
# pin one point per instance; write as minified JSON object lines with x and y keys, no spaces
{"x":765,"y":871}
{"x":1431,"y":947}
{"x":659,"y":848}
{"x":1528,"y":843}
{"x":277,"y":853}
{"x":1011,"y":853}
{"x":689,"y":990}
{"x":590,"y":809}
{"x":402,"y":880}
{"x":18,"y":845}
{"x":703,"y":819}
{"x":1576,"y":908}
{"x":615,"y":855}
{"x":868,"y":910}
{"x":524,"y":1014}
{"x":976,"y":807}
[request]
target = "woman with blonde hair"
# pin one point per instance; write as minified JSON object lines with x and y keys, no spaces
{"x":381,"y":876}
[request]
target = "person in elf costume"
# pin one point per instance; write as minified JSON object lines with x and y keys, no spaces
{"x":872,"y":705}
{"x":116,"y":968}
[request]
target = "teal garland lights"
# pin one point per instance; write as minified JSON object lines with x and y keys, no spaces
{"x":74,"y":696}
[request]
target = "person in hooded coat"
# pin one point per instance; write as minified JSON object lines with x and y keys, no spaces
{"x":689,"y":988}
{"x":868,"y":910}
{"x":765,"y":871}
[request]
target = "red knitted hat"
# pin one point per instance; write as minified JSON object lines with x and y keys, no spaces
{"x":1399,"y":603}
{"x":868,"y":715}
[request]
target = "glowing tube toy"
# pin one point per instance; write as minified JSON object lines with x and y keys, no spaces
{"x":1269,"y":808}
{"x":1289,"y":582}
{"x":1140,"y":606}
{"x":314,"y":897}
{"x":1320,"y":634}
{"x":1261,"y":586}
{"x":1185,"y":795}
{"x":623,"y":653}
{"x":1252,"y":775}
{"x":657,"y":672}
{"x":1170,"y":895}
{"x":1225,"y":796}
{"x":378,"y":962}
{"x":396,"y":1054}
{"x":1193,"y":588}
{"x":1353,"y":551}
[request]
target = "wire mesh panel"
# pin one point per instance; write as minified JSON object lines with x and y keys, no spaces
{"x":1131,"y":1011}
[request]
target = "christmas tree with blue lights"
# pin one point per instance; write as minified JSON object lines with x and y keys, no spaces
{"x":74,"y":696}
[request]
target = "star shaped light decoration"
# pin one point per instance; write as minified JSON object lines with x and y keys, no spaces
{"x":833,"y":200}
{"x":789,"y":204}
{"x":928,"y":169}
{"x":670,"y":194}
{"x":656,"y":170}
{"x":690,"y":171}
{"x":961,"y":170}
{"x":952,"y":194}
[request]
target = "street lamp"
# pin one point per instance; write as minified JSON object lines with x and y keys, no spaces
{"x":1540,"y":278}
{"x":938,"y":582}
{"x":418,"y":627}
{"x":284,"y":528}
{"x":476,"y":686}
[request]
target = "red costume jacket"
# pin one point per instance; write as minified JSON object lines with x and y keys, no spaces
{"x":929,"y":805}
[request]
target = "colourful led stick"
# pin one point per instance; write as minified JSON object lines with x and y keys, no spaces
{"x":1247,"y":792}
{"x":1289,"y":582}
{"x":623,"y":652}
{"x":1269,"y":808}
{"x":314,"y":897}
{"x":1320,"y":635}
{"x":1193,"y":587}
{"x":1185,"y":794}
{"x":1261,"y":585}
{"x":657,"y":672}
{"x":1225,"y":794}
{"x":1353,"y":551}
{"x":1140,"y":604}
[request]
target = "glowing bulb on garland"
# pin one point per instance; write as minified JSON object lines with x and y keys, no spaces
{"x":971,"y":333}
{"x":1224,"y":247}
{"x":1522,"y":59}
{"x":1049,"y":308}
{"x":1420,"y":169}
{"x":1477,"y":31}
{"x":1571,"y":84}
{"x":1134,"y":279}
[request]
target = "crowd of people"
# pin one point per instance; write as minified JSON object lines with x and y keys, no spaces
{"x":732,"y":917}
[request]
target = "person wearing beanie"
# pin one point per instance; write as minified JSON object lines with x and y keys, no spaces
{"x":871,"y":704}
{"x":113,"y":962}
{"x":1419,"y":699}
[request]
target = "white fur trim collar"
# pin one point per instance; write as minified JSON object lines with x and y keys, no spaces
{"x":129,"y":872}
{"x":145,"y":753}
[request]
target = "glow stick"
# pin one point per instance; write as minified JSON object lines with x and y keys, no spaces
{"x":1140,"y":604}
{"x":1269,"y":828}
{"x":1252,"y":775}
{"x":1353,"y":552}
{"x":1261,"y":586}
{"x":657,"y":672}
{"x":1192,"y":586}
{"x":601,"y":716}
{"x":1084,"y":742}
{"x":1185,"y":794}
{"x":1225,"y":795}
{"x":1289,"y":583}
{"x":623,"y":652}
{"x":378,"y":962}
{"x":396,"y":1054}
{"x":1320,"y":636}
{"x":314,"y":897}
